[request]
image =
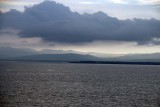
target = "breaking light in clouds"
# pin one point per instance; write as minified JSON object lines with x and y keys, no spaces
{"x":11,"y":38}
{"x":6,"y":5}
{"x":111,"y":47}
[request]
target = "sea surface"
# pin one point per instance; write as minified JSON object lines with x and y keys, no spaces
{"x":38,"y":84}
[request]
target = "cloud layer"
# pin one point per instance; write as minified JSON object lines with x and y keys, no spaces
{"x":56,"y":23}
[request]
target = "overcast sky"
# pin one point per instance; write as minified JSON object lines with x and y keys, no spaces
{"x":143,"y":42}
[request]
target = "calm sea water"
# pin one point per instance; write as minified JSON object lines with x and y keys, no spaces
{"x":26,"y":84}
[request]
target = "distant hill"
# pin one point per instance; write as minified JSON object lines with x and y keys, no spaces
{"x":58,"y":57}
{"x":8,"y":52}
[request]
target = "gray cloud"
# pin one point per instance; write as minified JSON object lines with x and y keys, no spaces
{"x":56,"y":23}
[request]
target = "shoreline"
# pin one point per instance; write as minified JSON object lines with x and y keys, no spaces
{"x":88,"y":62}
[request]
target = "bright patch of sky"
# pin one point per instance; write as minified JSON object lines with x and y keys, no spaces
{"x":109,"y":47}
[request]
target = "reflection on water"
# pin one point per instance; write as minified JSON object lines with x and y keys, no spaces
{"x":79,"y":85}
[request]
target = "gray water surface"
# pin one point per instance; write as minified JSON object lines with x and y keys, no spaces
{"x":78,"y":85}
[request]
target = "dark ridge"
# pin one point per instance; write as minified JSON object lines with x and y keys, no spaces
{"x":116,"y":62}
{"x":84,"y":62}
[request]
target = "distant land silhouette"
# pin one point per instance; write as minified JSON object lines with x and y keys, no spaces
{"x":116,"y":62}
{"x":24,"y":54}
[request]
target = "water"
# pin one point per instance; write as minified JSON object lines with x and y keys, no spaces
{"x":24,"y":84}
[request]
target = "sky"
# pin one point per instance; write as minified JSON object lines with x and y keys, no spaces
{"x":122,"y":9}
{"x":130,"y":26}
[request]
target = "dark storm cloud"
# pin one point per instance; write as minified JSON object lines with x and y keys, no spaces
{"x":55,"y":22}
